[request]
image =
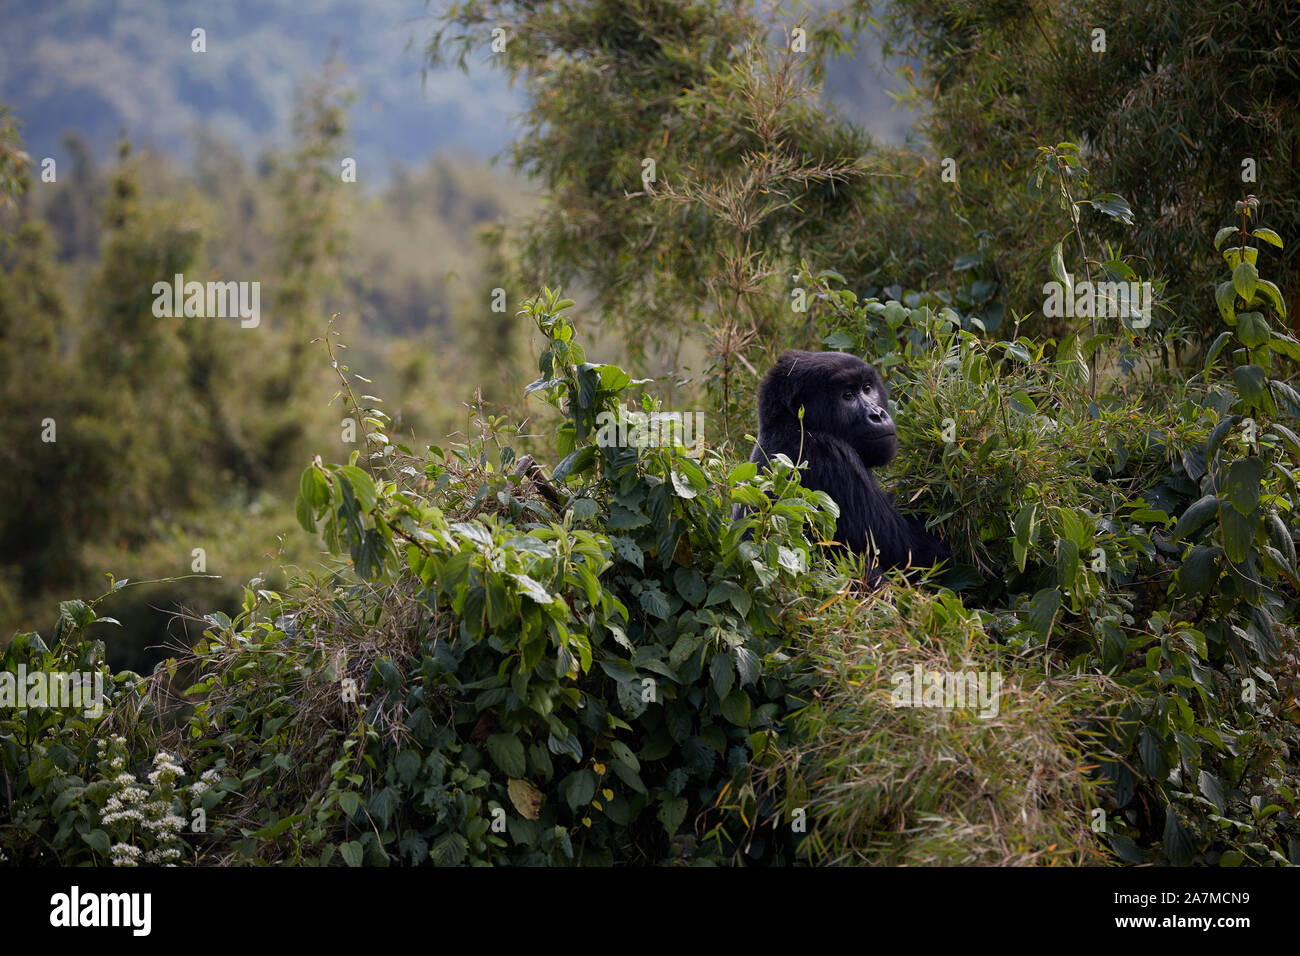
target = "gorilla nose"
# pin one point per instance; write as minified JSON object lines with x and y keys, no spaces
{"x":877,"y":415}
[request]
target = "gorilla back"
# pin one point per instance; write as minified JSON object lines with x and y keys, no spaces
{"x":846,"y":431}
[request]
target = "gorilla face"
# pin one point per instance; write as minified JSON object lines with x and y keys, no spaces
{"x":844,"y":398}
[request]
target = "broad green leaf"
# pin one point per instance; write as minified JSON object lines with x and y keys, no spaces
{"x":363,"y":486}
{"x":672,"y":811}
{"x":742,"y":472}
{"x":1218,"y":433}
{"x":1274,"y":295}
{"x":1042,"y":611}
{"x":1115,"y":206}
{"x":1179,"y":846}
{"x":1242,"y":484}
{"x":1224,"y":297}
{"x":1238,"y":532}
{"x":1268,"y":235}
{"x":507,"y":752}
{"x":1252,"y":329}
{"x":1195,"y":517}
{"x":736,"y":708}
{"x":1286,"y":345}
{"x":578,"y":788}
{"x":1245,"y":277}
{"x":1200,"y":569}
{"x":533,"y":589}
{"x":1249,"y":380}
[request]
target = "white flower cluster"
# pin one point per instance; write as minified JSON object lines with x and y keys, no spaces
{"x":124,"y":854}
{"x":201,"y":786}
{"x":138,"y":816}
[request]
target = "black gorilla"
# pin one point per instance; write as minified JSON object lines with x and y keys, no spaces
{"x":846,"y":431}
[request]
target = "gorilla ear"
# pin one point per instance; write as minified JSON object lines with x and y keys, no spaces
{"x":792,"y":384}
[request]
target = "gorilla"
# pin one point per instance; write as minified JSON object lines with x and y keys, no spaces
{"x":846,"y":431}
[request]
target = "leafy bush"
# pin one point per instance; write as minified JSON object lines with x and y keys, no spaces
{"x":596,"y":666}
{"x":1147,"y":535}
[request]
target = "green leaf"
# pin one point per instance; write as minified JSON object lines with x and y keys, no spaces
{"x":98,"y":841}
{"x":1249,"y":380}
{"x":1067,"y":562}
{"x":628,"y":550}
{"x":736,"y":708}
{"x":1235,"y":255}
{"x":533,"y":589}
{"x":1245,"y":277}
{"x":1200,"y":570}
{"x":1238,"y":532}
{"x":672,"y":811}
{"x":1215,"y":349}
{"x":682,"y":484}
{"x":722,"y":675}
{"x":742,"y":472}
{"x":1125,"y":848}
{"x":1024,"y":527}
{"x":839,"y":342}
{"x":1274,"y":295}
{"x":575,"y":463}
{"x":1179,"y":846}
{"x":690,"y":585}
{"x":584,"y":508}
{"x":1286,"y":345}
{"x":1212,"y":790}
{"x":1218,"y":433}
{"x":1225,"y":297}
{"x":349,"y":802}
{"x":1268,"y":235}
{"x":1242,"y":484}
{"x":654,"y":602}
{"x":507,"y":752}
{"x":363,"y":486}
{"x":578,"y":788}
{"x":1252,"y":329}
{"x":448,"y":850}
{"x":1115,"y":206}
{"x":1222,"y":235}
{"x":1042,"y":611}
{"x":1280,"y":535}
{"x":1151,"y":750}
{"x":1057,"y":265}
{"x":352,"y":852}
{"x":1195,"y":517}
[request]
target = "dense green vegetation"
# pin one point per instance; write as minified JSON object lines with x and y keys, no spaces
{"x":527,"y":644}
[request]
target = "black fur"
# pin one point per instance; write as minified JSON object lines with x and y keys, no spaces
{"x":846,"y":431}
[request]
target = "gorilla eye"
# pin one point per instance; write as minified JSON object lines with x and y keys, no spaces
{"x":849,"y":395}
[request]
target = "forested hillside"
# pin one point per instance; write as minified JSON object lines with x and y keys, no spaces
{"x":499,"y":581}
